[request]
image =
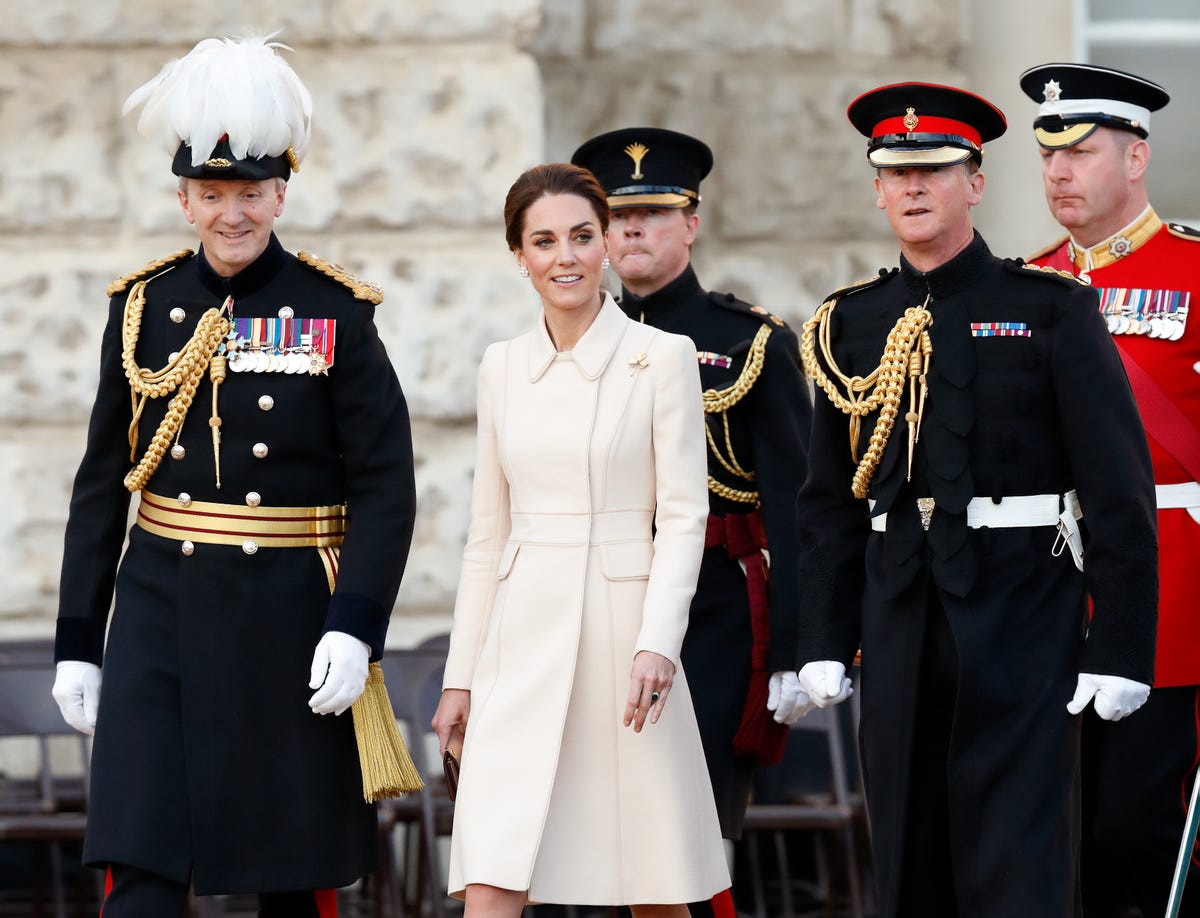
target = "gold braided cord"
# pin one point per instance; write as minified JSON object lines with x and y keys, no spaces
{"x":731,"y":464}
{"x":182,"y":374}
{"x":153,"y":268}
{"x":723,"y":399}
{"x":880,"y":390}
{"x":733,"y":494}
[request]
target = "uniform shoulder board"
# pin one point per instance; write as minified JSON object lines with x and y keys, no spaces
{"x":1048,"y":250}
{"x":731,"y":302}
{"x":1184,"y":232}
{"x":362,"y":290}
{"x":866,"y":284}
{"x":121,"y":284}
{"x":1045,"y":271}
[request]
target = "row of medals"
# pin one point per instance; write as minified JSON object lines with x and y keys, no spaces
{"x":1168,"y":327}
{"x":244,"y":358}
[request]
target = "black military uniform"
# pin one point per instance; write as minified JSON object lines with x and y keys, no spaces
{"x":758,"y":413}
{"x":208,"y":763}
{"x":951,"y":575}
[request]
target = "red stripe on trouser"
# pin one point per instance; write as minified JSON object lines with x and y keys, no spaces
{"x":326,"y":900}
{"x":722,"y":905}
{"x":108,"y":884}
{"x":1184,"y":791}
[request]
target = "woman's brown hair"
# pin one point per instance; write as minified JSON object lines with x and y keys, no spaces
{"x":547,"y":179}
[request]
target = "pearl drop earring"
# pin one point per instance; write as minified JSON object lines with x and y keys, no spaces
{"x":604,"y":263}
{"x":523,"y":270}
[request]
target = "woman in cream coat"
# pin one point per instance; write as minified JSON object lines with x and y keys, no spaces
{"x":583,"y":779}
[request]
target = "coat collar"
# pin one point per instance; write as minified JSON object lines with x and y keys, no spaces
{"x":666,"y":299}
{"x":591,"y":353}
{"x":949,"y":278}
{"x":252,"y":277}
{"x":1121,"y":243}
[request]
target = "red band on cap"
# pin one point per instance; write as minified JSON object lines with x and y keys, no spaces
{"x":928,"y":124}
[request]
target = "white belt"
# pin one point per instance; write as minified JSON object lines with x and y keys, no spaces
{"x":1177,"y":496}
{"x":1020,"y":511}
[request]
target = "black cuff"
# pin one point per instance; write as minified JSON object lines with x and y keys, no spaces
{"x":360,"y":617}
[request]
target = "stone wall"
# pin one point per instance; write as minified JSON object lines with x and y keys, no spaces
{"x":424,"y":113}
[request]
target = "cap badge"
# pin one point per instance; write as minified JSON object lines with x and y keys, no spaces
{"x":910,"y":119}
{"x":218,"y":162}
{"x":1052,"y":91}
{"x":636,"y":151}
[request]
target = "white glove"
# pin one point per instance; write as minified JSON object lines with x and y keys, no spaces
{"x":1114,"y":696}
{"x":339,"y":670}
{"x":77,"y":691}
{"x":826,"y":682}
{"x":786,"y":699}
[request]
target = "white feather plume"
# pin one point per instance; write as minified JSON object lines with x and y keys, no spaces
{"x":242,"y":88}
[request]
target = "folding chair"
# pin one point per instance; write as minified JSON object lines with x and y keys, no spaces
{"x":47,"y":809}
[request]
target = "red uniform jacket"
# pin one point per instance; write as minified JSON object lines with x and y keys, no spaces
{"x":1136,"y":270}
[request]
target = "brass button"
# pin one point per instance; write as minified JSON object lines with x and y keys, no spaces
{"x":185,"y":499}
{"x":253,"y":499}
{"x":187,"y":548}
{"x":178,"y":315}
{"x":249,"y":546}
{"x":260,"y":450}
{"x":286,"y":312}
{"x":265,"y":402}
{"x":178,"y":452}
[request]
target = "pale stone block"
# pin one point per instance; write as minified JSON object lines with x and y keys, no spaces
{"x":562,"y":32}
{"x":58,"y":133}
{"x":433,"y":20}
{"x":924,"y":30}
{"x":808,"y":27}
{"x":37,"y":464}
{"x":136,"y":22}
{"x":53,"y":307}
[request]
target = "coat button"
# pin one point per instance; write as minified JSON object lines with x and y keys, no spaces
{"x":286,"y":312}
{"x":265,"y":402}
{"x":178,"y":452}
{"x":260,"y":450}
{"x":249,"y":546}
{"x":178,"y":315}
{"x":185,"y":499}
{"x":187,"y":548}
{"x":253,"y":499}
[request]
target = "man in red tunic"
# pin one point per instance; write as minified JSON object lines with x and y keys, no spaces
{"x":1092,"y":127}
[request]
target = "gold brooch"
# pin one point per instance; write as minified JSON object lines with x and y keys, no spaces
{"x":637,"y":362}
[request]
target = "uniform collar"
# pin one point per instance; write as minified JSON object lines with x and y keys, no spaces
{"x":949,"y":278}
{"x":672,"y":296}
{"x":1118,"y":245}
{"x":591,"y":353}
{"x":250,"y":278}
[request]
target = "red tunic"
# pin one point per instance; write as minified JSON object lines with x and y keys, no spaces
{"x":1158,"y":257}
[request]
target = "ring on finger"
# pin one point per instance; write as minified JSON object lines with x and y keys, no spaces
{"x":654,"y":696}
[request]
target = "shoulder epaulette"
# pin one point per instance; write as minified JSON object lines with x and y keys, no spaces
{"x":1184,"y":232}
{"x":1044,"y":271}
{"x":731,"y":302}
{"x":121,"y":284}
{"x":1048,"y":250}
{"x":884,"y":274}
{"x":362,"y":290}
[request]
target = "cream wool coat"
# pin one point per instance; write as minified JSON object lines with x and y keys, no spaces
{"x":563,"y":581}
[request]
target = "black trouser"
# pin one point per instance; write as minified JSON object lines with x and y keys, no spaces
{"x":1137,"y":780}
{"x":138,"y":894}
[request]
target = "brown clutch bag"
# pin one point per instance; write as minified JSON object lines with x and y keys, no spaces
{"x":450,"y":763}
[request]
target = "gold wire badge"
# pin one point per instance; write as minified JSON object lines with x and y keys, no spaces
{"x":636,"y":152}
{"x":910,"y":119}
{"x":218,"y":162}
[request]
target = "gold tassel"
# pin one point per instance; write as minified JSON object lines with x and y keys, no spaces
{"x":387,"y":767}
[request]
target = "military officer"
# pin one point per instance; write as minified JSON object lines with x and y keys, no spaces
{"x":1092,"y":128}
{"x":987,"y":412}
{"x":743,"y":619}
{"x":270,"y":447}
